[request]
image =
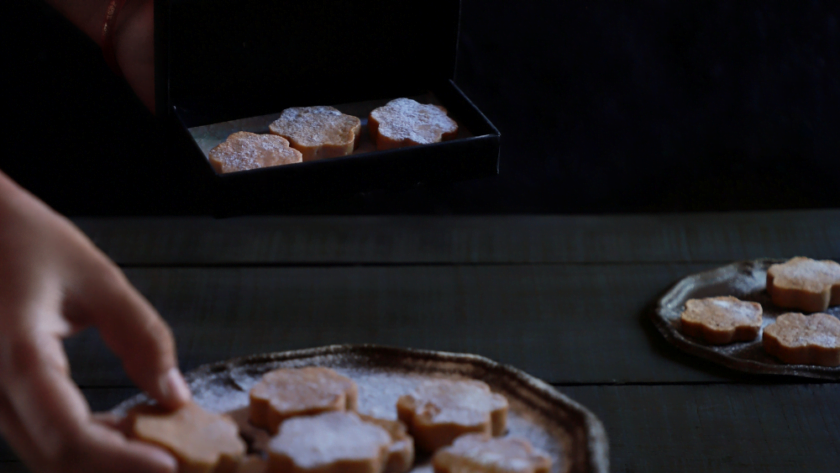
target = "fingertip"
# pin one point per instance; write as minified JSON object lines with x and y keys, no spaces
{"x":174,"y":389}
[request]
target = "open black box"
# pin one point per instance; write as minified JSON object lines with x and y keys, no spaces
{"x":223,"y":64}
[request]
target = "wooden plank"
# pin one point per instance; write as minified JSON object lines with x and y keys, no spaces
{"x":720,"y":428}
{"x":567,"y":324}
{"x":719,"y":237}
{"x":687,"y":428}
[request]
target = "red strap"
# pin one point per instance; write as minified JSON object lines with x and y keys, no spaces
{"x":108,"y":27}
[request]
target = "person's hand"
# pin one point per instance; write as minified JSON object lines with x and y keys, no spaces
{"x":134,"y":46}
{"x":53,"y":283}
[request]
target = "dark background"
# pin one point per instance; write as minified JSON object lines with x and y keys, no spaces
{"x":603,"y":107}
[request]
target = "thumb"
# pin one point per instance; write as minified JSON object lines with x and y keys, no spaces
{"x":134,"y":331}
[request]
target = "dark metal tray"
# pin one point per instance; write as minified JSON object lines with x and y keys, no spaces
{"x":747,"y":281}
{"x":570,"y":434}
{"x":208,"y":137}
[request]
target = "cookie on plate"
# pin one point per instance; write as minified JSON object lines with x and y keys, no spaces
{"x":441,"y":410}
{"x":798,"y":339}
{"x":804,"y":284}
{"x":405,"y":122}
{"x":318,"y":132}
{"x":285,"y":393}
{"x":401,"y":452}
{"x":252,"y":464}
{"x":721,"y":320}
{"x":476,"y":453}
{"x":332,"y":442}
{"x":201,"y":441}
{"x":243,"y":151}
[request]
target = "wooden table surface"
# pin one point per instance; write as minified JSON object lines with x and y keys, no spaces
{"x":564,"y":298}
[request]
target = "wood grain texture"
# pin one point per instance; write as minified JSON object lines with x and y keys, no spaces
{"x":563,"y":298}
{"x":719,"y":428}
{"x":687,"y":428}
{"x":719,"y":237}
{"x":564,"y":324}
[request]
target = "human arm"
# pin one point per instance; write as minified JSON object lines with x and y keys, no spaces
{"x":133,"y":38}
{"x":53,"y":283}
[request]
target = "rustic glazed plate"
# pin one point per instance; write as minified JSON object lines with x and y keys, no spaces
{"x":570,"y":434}
{"x":747,"y":281}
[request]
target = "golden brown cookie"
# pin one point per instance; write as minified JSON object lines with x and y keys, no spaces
{"x":721,"y":320}
{"x":804,"y":284}
{"x":405,"y":122}
{"x":243,"y":151}
{"x":252,"y":464}
{"x":286,"y":393}
{"x":332,"y":442}
{"x":439,"y":411}
{"x":318,"y":132}
{"x":476,"y":453}
{"x":401,"y":452}
{"x":257,"y":438}
{"x":798,"y":339}
{"x":202,"y":442}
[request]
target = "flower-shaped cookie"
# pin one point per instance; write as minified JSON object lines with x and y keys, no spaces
{"x":405,"y":122}
{"x":285,"y":393}
{"x":804,"y":284}
{"x":318,"y":132}
{"x":401,"y":451}
{"x":721,"y":320}
{"x":202,"y":442}
{"x":476,"y":453}
{"x":332,"y":442}
{"x":251,"y":464}
{"x":798,"y":339}
{"x":243,"y":151}
{"x":441,"y":410}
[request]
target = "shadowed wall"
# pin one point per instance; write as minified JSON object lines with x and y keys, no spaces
{"x":603,"y":107}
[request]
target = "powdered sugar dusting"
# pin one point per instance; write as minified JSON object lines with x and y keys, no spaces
{"x":724,"y":313}
{"x":807,"y":274}
{"x":316,"y":126}
{"x":318,"y":441}
{"x":408,"y":120}
{"x":503,"y":455}
{"x":302,"y":389}
{"x":745,"y":280}
{"x":740,"y":312}
{"x":798,"y":331}
{"x":382,"y":378}
{"x":462,"y":402}
{"x":243,"y":151}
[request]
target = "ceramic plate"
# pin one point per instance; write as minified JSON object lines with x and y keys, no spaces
{"x":745,"y":280}
{"x":570,"y":434}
